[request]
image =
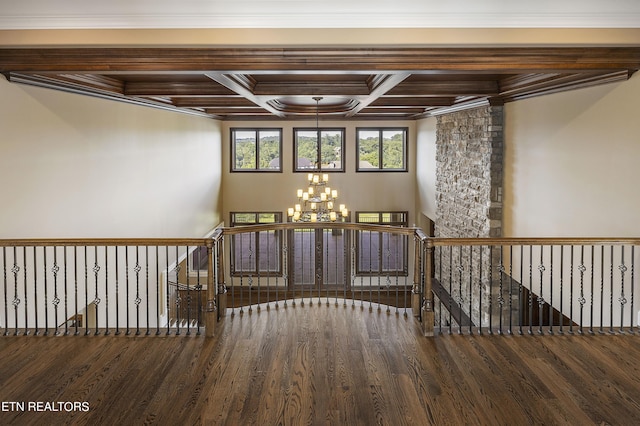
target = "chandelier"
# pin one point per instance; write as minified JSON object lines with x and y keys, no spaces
{"x":318,"y":202}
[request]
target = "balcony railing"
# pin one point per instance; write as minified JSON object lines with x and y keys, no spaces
{"x":535,"y":285}
{"x":185,"y":286}
{"x":117,"y":286}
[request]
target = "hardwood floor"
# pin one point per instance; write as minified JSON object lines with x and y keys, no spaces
{"x":321,"y":365}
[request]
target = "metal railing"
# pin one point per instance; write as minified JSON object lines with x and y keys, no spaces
{"x":535,"y":285}
{"x":117,"y":286}
{"x":185,"y":286}
{"x":281,"y":264}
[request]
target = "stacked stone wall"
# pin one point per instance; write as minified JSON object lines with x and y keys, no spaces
{"x":469,"y":157}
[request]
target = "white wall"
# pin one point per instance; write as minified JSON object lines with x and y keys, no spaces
{"x":76,"y":166}
{"x":572,"y":163}
{"x":387,"y":191}
{"x":426,"y":168}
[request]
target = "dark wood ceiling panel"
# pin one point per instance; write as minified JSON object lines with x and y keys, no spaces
{"x":355,"y":83}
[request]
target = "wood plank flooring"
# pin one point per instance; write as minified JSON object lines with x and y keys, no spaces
{"x":324,"y":365}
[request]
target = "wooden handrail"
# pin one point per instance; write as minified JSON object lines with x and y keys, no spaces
{"x":532,"y":241}
{"x":91,"y":242}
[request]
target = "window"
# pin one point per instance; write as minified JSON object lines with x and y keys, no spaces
{"x":328,"y":155}
{"x":256,"y":253}
{"x":381,"y":253}
{"x":256,"y":150}
{"x":381,"y":149}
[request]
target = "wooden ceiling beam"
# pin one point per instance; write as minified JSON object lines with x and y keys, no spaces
{"x":175,"y":89}
{"x":416,"y":101}
{"x":452,"y":87}
{"x":479,"y":59}
{"x":333,"y":88}
{"x":213,"y":102}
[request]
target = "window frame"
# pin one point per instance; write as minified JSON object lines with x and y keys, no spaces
{"x":404,"y":271}
{"x":256,"y":271}
{"x":381,"y":168}
{"x":319,"y":131}
{"x":257,"y":130}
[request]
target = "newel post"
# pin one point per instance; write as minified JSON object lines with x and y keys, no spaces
{"x":211,"y":311}
{"x":416,"y":291}
{"x":428,"y":316}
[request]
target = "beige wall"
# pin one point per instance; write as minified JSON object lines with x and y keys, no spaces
{"x":77,"y":166}
{"x":359,"y":191}
{"x":426,"y":169}
{"x":572,"y":163}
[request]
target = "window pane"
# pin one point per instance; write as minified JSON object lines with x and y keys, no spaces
{"x":368,"y":149}
{"x":245,"y":149}
{"x":244,"y":218}
{"x":244,"y":251}
{"x":393,"y":149}
{"x":307,"y":149}
{"x":331,"y":143}
{"x":267,"y":218}
{"x":269,"y":149}
{"x":369,"y":255}
{"x":393,"y":252}
{"x":269,"y":251}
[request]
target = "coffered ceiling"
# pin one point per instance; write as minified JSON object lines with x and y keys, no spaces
{"x":373,"y":82}
{"x":280,"y":83}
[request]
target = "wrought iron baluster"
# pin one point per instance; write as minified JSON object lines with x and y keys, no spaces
{"x":622,"y":299}
{"x":56,"y":300}
{"x":126,"y":296}
{"x":167,"y":290}
{"x":75,"y":285}
{"x":86,"y":292}
{"x":551,"y":309}
{"x":158,"y":287}
{"x":480,"y":285}
{"x":510,"y":289}
{"x":189,"y":297}
{"x":571,"y":282}
{"x":6,"y":297}
{"x":46,"y":292}
{"x":611,"y":292}
{"x":117,"y":273}
{"x":490,"y":292}
{"x":541,"y":301}
{"x":178,"y":303}
{"x":137,"y":301}
{"x":501,"y":269}
{"x":601,"y":330}
{"x":35,"y":289}
{"x":520,"y":301}
{"x":460,"y":299}
{"x":581,"y":300}
{"x":199,"y":294}
{"x":96,"y":301}
{"x":450,"y":289}
{"x":15,"y":269}
{"x":106,"y":290}
{"x":592,"y":289}
{"x":470,"y":289}
{"x":439,"y":253}
{"x":26,"y":295}
{"x":561,"y":331}
{"x":633,"y":267}
{"x":530,"y":331}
